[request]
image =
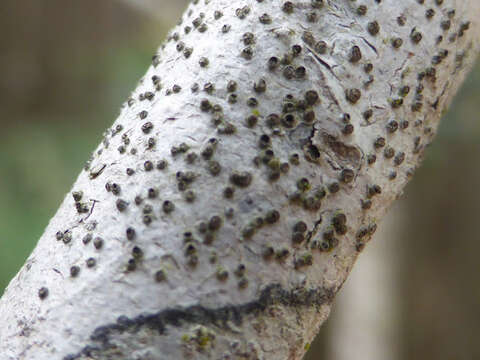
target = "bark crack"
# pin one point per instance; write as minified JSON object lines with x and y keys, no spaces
{"x":322,"y":62}
{"x":370,"y":45}
{"x":90,"y":212}
{"x":314,"y":230}
{"x":437,"y":100}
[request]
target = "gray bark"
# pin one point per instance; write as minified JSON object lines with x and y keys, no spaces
{"x":227,"y":204}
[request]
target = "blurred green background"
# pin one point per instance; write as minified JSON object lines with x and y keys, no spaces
{"x":67,"y":66}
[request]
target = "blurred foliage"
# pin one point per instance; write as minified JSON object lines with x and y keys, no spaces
{"x":441,"y":313}
{"x":66,"y":68}
{"x":64,"y":72}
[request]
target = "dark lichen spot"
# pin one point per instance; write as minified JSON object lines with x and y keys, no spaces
{"x":353,"y":95}
{"x":374,"y":190}
{"x":160,"y":275}
{"x":147,"y":127}
{"x":121,"y":205}
{"x":334,"y":187}
{"x":243,"y":283}
{"x":389,"y":152}
{"x":445,"y":24}
{"x":222,"y":274}
{"x":137,"y":252}
{"x":392,"y":126}
{"x":241,"y":178}
{"x":67,"y":237}
{"x":298,"y":237}
{"x":268,"y":252}
{"x":312,"y":153}
{"x":366,"y":204}
{"x":228,"y":192}
{"x":130,"y":232}
{"x":282,"y":253}
{"x":303,"y":260}
{"x":77,"y":195}
{"x":347,"y":176}
{"x":300,"y":72}
{"x":273,"y":63}
{"x":397,"y":42}
{"x":401,"y":20}
{"x":362,"y":10}
{"x":203,"y":62}
{"x":98,"y":243}
{"x":289,"y":72}
{"x":86,"y":239}
{"x":416,"y":36}
{"x":348,"y":129}
{"x":368,"y":67}
{"x":265,"y":19}
{"x":131,"y":265}
{"x":74,"y":271}
{"x":355,"y":54}
{"x":168,"y":206}
{"x":379,"y":142}
{"x":399,"y":158}
{"x":311,"y":97}
{"x":430,"y":13}
{"x":152,"y":193}
{"x":373,"y":28}
{"x":321,"y":47}
{"x":272,"y":216}
{"x":205,"y":105}
{"x":215,"y":223}
{"x":288,"y":7}
{"x":91,"y":262}
{"x":43,"y":293}
{"x":251,"y":121}
{"x":247,"y":53}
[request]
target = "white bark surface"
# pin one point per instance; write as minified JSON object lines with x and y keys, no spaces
{"x":241,"y":289}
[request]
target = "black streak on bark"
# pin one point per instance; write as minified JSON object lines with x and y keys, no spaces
{"x":220,"y":317}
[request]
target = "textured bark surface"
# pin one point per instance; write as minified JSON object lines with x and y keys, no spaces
{"x":228,"y":202}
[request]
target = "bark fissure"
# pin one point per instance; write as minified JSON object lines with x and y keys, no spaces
{"x":370,"y":45}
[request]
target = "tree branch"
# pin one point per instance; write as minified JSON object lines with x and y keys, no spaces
{"x":241,"y":180}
